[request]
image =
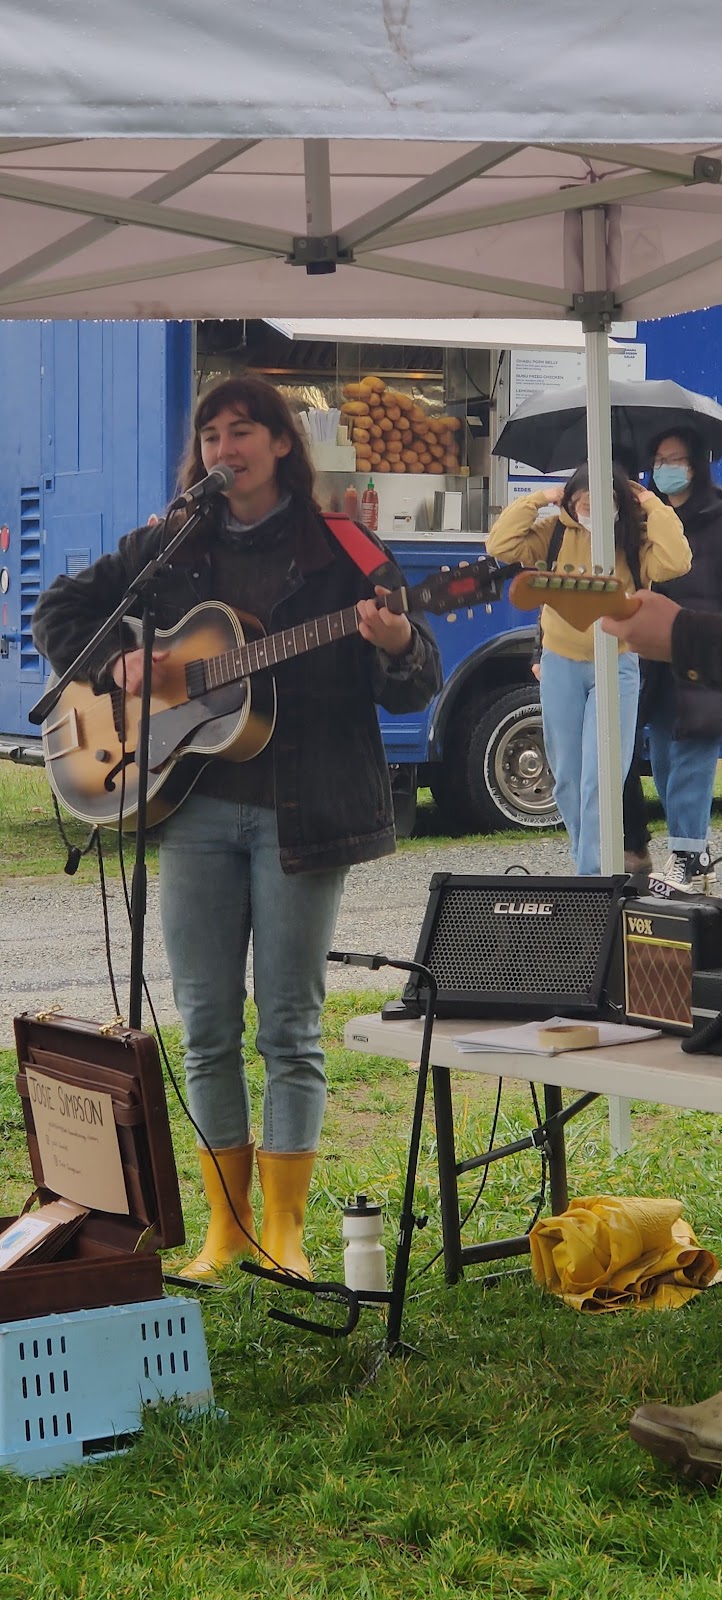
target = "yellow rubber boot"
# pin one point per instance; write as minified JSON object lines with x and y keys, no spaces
{"x":285,"y":1181}
{"x":225,"y":1241}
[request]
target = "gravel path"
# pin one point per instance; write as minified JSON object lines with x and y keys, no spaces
{"x":52,"y":947}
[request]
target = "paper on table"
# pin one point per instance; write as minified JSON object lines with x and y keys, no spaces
{"x":524,"y":1039}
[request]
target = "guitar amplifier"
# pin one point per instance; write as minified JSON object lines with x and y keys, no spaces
{"x":517,"y":946}
{"x":664,"y":943}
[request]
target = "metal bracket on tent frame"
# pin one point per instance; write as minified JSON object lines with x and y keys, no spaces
{"x":595,"y":309}
{"x":318,"y":253}
{"x":707,"y":169}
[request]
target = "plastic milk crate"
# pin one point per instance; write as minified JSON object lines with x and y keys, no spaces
{"x":73,"y":1386}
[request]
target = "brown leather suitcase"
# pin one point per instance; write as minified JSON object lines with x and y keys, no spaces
{"x":88,"y":1074}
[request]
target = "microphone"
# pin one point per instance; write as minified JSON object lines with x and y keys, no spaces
{"x":219,"y":479}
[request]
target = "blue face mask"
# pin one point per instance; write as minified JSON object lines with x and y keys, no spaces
{"x":671,"y":479}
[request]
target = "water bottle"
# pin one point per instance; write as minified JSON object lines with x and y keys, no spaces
{"x":364,"y":1257}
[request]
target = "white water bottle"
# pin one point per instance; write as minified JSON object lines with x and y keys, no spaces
{"x":364,"y":1257}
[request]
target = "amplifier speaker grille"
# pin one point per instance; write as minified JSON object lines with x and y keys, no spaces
{"x":659,"y":982}
{"x":515,"y":944}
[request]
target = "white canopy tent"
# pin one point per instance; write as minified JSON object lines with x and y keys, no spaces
{"x":159,"y":159}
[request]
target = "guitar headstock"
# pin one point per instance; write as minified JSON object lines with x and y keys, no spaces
{"x":579,"y":597}
{"x":472,"y":583}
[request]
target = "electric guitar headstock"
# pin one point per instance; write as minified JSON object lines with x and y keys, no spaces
{"x":472,"y":583}
{"x":579,"y":597}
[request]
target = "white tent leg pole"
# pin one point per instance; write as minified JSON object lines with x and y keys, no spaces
{"x":606,"y":661}
{"x":609,"y":737}
{"x":606,"y":669}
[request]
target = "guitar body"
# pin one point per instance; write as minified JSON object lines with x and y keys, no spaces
{"x":89,"y":740}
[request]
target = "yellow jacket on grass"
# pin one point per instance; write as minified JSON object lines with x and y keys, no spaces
{"x":614,"y":1251}
{"x":522,"y":534}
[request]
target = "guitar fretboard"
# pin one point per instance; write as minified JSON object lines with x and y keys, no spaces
{"x":270,"y":650}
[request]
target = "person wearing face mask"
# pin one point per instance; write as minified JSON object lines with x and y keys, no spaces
{"x":685,"y":718}
{"x":650,"y":548}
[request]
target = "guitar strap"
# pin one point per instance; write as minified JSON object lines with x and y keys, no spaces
{"x":364,"y":551}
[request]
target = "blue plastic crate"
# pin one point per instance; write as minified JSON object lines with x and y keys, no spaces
{"x":73,"y":1386}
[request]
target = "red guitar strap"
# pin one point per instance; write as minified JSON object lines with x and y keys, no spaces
{"x":364,"y":552}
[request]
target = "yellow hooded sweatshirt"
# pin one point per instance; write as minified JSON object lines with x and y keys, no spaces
{"x":521,"y":534}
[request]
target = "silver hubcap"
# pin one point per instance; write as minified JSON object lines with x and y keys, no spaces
{"x":521,"y":769}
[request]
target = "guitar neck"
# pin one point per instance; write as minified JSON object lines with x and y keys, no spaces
{"x":271,"y":649}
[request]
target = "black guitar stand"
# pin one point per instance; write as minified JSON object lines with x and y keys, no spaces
{"x":408,"y":1221}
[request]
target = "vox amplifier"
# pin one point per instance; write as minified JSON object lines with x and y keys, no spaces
{"x":664,"y":942}
{"x":517,"y":946}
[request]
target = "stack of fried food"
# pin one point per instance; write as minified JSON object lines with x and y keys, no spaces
{"x":391,"y":433}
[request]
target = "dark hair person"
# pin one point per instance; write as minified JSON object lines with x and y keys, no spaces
{"x":650,"y":546}
{"x":260,"y":847}
{"x":684,"y":716}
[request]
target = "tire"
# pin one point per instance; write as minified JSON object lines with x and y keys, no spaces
{"x":494,"y":773}
{"x":403,"y":794}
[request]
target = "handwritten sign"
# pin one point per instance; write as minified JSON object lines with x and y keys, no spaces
{"x":78,"y":1143}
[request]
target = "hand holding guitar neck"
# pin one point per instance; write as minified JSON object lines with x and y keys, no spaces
{"x":580,"y":597}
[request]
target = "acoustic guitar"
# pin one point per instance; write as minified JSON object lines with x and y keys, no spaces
{"x":218,"y":699}
{"x":580,"y":597}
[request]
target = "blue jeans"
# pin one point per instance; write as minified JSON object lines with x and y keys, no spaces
{"x":684,"y":773}
{"x":220,"y":881}
{"x":569,"y":718}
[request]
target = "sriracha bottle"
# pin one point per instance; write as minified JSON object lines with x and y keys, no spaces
{"x":370,"y":508}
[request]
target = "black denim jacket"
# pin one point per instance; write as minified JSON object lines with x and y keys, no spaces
{"x":333,"y":795}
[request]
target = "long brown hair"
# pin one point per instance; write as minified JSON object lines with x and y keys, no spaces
{"x":630,"y":524}
{"x":259,"y":401}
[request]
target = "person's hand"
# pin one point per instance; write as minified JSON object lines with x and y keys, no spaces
{"x":649,"y":631}
{"x":382,"y":627}
{"x":644,"y":496}
{"x":554,"y":494}
{"x":128,"y":670}
{"x":536,"y":670}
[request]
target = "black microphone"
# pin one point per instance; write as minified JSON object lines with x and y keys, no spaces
{"x":221,"y":478}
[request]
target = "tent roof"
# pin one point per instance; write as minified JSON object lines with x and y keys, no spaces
{"x":390,"y":69}
{"x":163,"y":161}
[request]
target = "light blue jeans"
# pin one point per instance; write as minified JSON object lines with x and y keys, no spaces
{"x":220,"y":881}
{"x":684,"y":773}
{"x":569,"y":718}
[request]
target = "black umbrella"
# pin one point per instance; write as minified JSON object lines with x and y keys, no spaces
{"x":549,"y":430}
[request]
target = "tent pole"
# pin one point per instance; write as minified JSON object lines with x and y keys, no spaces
{"x":606,"y":668}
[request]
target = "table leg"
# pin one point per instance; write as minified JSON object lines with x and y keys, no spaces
{"x":448,"y":1187}
{"x":558,"y":1190}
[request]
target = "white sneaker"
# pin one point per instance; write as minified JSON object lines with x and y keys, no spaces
{"x":689,"y":871}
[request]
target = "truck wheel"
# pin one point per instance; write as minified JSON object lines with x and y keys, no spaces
{"x":495,"y":773}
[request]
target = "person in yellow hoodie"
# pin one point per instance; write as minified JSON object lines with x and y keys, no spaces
{"x":650,"y":548}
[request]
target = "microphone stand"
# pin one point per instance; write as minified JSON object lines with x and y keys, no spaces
{"x":143,"y":587}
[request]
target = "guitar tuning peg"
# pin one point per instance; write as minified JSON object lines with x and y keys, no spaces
{"x":470,"y":612}
{"x":582,"y":571}
{"x":599,"y":572}
{"x":445,"y":569}
{"x":463,"y":564}
{"x":540,"y":566}
{"x":568,"y":567}
{"x":487,"y":609}
{"x":451,"y":617}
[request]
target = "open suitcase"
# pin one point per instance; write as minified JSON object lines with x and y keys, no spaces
{"x":97,"y":1128}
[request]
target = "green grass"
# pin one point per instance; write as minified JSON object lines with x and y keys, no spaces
{"x":495,"y":1462}
{"x":31,"y":845}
